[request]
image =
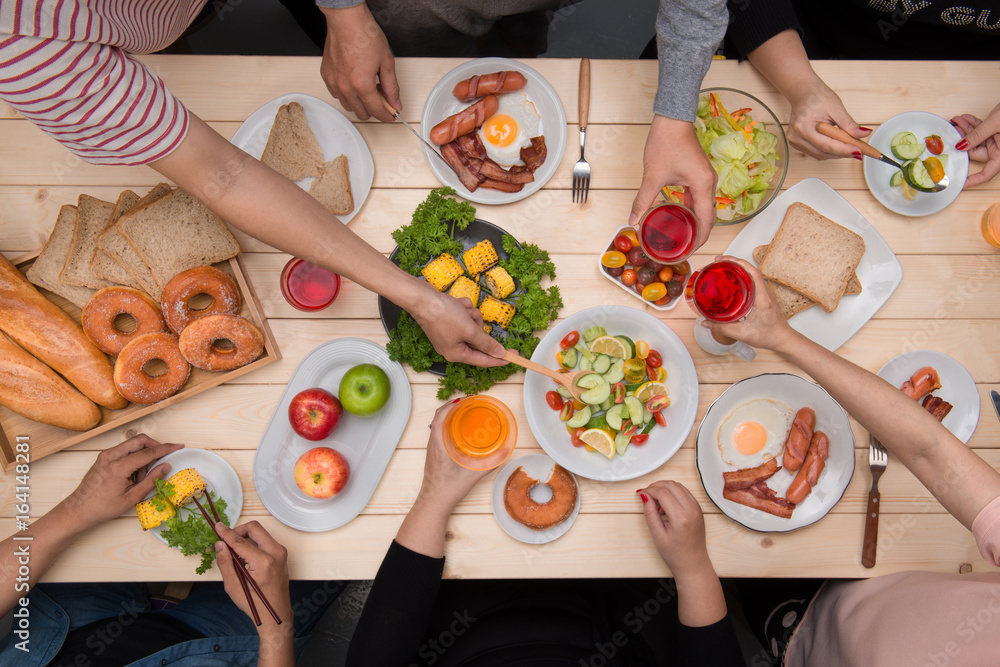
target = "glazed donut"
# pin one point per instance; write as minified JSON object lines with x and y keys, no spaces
{"x":539,"y":516}
{"x":199,"y":340}
{"x":105,"y":305}
{"x":209,"y":280}
{"x":138,"y":386}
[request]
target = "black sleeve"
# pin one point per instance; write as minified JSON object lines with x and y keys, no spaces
{"x":710,"y":645}
{"x":753,"y":22}
{"x":398,"y":609}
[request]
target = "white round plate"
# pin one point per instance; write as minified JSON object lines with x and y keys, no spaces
{"x":334,"y":131}
{"x":682,"y":381}
{"x":957,"y":387}
{"x":441,"y":103}
{"x":366,"y":442}
{"x":878,"y":173}
{"x":219,"y":476}
{"x":795,"y":392}
{"x":538,"y":467}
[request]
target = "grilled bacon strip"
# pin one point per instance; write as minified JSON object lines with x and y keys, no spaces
{"x":938,"y":408}
{"x":747,"y":477}
{"x":533,"y":156}
{"x":761,"y":497}
{"x":463,"y":167}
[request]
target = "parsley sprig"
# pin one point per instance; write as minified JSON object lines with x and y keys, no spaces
{"x":191,"y":533}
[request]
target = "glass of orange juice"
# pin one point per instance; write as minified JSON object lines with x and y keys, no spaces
{"x":479,"y":433}
{"x":991,"y":225}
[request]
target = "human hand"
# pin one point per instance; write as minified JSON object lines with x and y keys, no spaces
{"x":764,"y":326}
{"x":445,"y":482}
{"x":455,"y":328}
{"x":355,"y":53}
{"x":109,"y":488}
{"x":817,"y":102}
{"x":981,"y":138}
{"x":673,"y":156}
{"x":267,"y":563}
{"x":677,"y":525}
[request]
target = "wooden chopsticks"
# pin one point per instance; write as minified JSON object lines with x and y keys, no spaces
{"x":242,"y":573}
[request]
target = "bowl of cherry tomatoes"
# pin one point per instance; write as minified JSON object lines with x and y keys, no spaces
{"x":659,"y":286}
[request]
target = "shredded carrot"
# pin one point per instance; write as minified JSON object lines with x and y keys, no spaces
{"x":713,"y":104}
{"x":725,"y":201}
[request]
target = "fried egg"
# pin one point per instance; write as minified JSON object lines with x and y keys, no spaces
{"x":755,"y":432}
{"x":510,"y":129}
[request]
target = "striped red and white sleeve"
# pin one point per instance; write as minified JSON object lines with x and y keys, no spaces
{"x":96,"y":100}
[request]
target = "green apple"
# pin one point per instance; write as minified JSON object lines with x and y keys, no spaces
{"x":364,"y":390}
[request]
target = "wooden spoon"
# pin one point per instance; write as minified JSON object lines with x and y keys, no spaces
{"x":567,"y":380}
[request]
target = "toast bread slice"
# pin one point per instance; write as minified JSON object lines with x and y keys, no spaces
{"x":101,"y":264}
{"x":92,"y":218}
{"x":49,"y":263}
{"x":853,"y":285}
{"x":292,"y":149}
{"x":333,"y":187}
{"x":117,"y":247}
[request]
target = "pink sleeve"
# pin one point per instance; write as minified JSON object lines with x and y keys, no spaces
{"x":986,"y":529}
{"x":96,"y":100}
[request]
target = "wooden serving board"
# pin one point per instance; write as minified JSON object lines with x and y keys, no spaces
{"x":45,"y":439}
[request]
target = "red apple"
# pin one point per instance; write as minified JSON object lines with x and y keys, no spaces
{"x":314,"y":413}
{"x":322,"y":472}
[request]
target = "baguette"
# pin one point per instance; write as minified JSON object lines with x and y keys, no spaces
{"x":33,"y":390}
{"x":48,"y":333}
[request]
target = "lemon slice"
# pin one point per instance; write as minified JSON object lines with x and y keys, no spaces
{"x":908,"y":191}
{"x":650,"y":389}
{"x":600,"y":441}
{"x":610,"y":346}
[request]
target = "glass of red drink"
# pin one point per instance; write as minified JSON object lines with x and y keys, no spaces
{"x":722,"y":291}
{"x":667,"y":232}
{"x":308,"y":287}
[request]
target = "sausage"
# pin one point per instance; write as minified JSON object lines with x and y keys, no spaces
{"x":465,"y":121}
{"x":487,"y":84}
{"x":923,"y":382}
{"x":798,"y":439}
{"x":802,"y":485}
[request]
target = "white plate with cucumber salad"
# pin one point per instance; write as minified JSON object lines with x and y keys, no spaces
{"x":908,"y":139}
{"x":627,"y":420}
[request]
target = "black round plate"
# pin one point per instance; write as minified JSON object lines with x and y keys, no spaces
{"x":478,"y":230}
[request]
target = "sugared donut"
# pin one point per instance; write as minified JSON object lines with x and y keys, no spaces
{"x":138,"y":386}
{"x":105,"y":305}
{"x":203,"y":342}
{"x":209,"y":280}
{"x":539,"y":516}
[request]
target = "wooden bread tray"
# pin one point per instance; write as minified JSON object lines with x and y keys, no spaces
{"x":47,"y":439}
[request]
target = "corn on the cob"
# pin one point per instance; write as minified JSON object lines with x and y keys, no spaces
{"x":442,"y":271}
{"x":188,"y":484}
{"x":150,"y":517}
{"x":480,"y":257}
{"x":497,"y":311}
{"x":499,"y":282}
{"x":464,"y":287}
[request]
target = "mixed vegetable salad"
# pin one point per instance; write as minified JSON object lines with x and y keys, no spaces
{"x":625,"y":395}
{"x":918,"y":173}
{"x":743,"y":153}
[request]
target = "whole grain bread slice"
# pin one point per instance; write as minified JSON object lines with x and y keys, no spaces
{"x":101,"y":264}
{"x":813,"y":255}
{"x":49,"y":263}
{"x":853,"y":285}
{"x":176,"y":233}
{"x":333,"y":187}
{"x":91,"y":220}
{"x":118,"y":249}
{"x":292,"y":149}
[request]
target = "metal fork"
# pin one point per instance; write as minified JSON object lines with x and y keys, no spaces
{"x":877,"y":460}
{"x":581,"y":170}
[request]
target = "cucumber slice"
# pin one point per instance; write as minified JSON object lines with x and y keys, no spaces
{"x":905,"y":146}
{"x":635,"y":409}
{"x":617,"y":371}
{"x":586,"y":364}
{"x":597,"y":389}
{"x":564,"y":392}
{"x":896,"y":180}
{"x":598,"y":422}
{"x":568,"y":358}
{"x":614,"y":417}
{"x":917,"y":176}
{"x":629,"y":345}
{"x":606,"y":405}
{"x":602,"y":364}
{"x":587,"y":354}
{"x":621,"y":443}
{"x":646,"y":415}
{"x":580,"y":417}
{"x":594,"y":332}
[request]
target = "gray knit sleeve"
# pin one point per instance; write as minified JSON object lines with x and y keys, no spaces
{"x":338,"y":4}
{"x":687,"y":34}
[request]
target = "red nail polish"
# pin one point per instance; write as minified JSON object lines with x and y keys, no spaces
{"x":866,"y":129}
{"x":638,"y":490}
{"x":962,"y":145}
{"x":857,"y":156}
{"x":644,"y":497}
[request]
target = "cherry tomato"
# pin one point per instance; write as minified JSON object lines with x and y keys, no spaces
{"x":623,"y":243}
{"x":554,"y":400}
{"x":575,"y":438}
{"x":654,"y":291}
{"x":615,"y":272}
{"x":571,"y":339}
{"x":935,"y":144}
{"x":654,"y":359}
{"x":682,"y":269}
{"x":665,"y":274}
{"x":641,"y":349}
{"x":567,"y":410}
{"x":934,"y":168}
{"x":654,"y":265}
{"x":629,"y":277}
{"x":637,"y":258}
{"x":660,"y":418}
{"x":663,"y":301}
{"x":613,"y":259}
{"x":658,"y":374}
{"x":639,"y":438}
{"x":630,"y":233}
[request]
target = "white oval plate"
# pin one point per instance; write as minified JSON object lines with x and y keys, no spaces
{"x":219,"y":476}
{"x":441,"y":103}
{"x":682,"y":381}
{"x":538,"y":467}
{"x":366,"y":442}
{"x":878,"y":173}
{"x":957,"y":387}
{"x":335,"y":133}
{"x":796,"y":392}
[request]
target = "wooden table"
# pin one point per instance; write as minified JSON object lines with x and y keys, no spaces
{"x":947,"y":301}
